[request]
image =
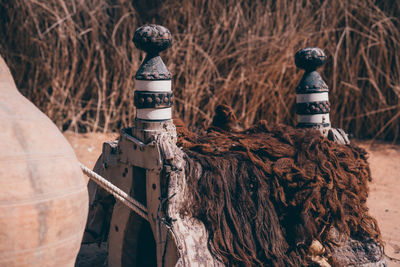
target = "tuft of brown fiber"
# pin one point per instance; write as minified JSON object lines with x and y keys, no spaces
{"x":265,"y":193}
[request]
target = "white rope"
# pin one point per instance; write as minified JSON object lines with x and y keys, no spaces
{"x":116,"y":192}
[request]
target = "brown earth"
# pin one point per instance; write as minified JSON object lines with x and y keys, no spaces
{"x":384,"y":199}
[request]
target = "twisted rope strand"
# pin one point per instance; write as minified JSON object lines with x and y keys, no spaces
{"x":127,"y":200}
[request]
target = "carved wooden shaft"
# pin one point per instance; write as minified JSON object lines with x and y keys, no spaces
{"x":312,"y":100}
{"x":153,"y":100}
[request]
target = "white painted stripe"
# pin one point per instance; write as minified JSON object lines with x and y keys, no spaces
{"x":317,"y":118}
{"x":314,"y":97}
{"x":154,"y":114}
{"x":153,"y":86}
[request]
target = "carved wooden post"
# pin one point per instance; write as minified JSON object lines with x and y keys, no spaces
{"x":312,"y":98}
{"x":153,"y":100}
{"x":153,"y":95}
{"x":146,"y":163}
{"x":135,"y":165}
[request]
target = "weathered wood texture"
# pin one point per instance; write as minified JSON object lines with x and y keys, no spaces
{"x":153,"y":172}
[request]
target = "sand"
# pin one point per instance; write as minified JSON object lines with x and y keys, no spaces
{"x":384,"y":198}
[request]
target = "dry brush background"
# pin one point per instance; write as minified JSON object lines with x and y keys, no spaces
{"x":75,"y":60}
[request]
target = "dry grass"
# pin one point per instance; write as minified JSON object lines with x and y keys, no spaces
{"x":75,"y":59}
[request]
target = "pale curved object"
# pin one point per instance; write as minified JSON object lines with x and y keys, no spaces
{"x":43,"y":194}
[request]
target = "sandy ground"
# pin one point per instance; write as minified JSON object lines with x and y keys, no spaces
{"x":384,"y":199}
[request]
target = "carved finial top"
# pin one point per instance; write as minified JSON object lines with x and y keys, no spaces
{"x":309,"y":59}
{"x":152,"y":38}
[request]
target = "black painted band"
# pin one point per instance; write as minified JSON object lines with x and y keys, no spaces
{"x":312,"y":125}
{"x":146,"y":99}
{"x":311,"y":108}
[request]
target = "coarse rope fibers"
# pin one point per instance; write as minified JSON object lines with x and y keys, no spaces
{"x":116,"y":192}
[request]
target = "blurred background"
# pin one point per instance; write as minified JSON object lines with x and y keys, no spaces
{"x":76,"y":61}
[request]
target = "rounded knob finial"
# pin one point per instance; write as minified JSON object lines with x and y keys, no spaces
{"x":153,"y":95}
{"x":152,"y":38}
{"x":310,"y":58}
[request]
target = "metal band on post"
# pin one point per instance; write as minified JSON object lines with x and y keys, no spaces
{"x":312,"y":99}
{"x":153,"y":95}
